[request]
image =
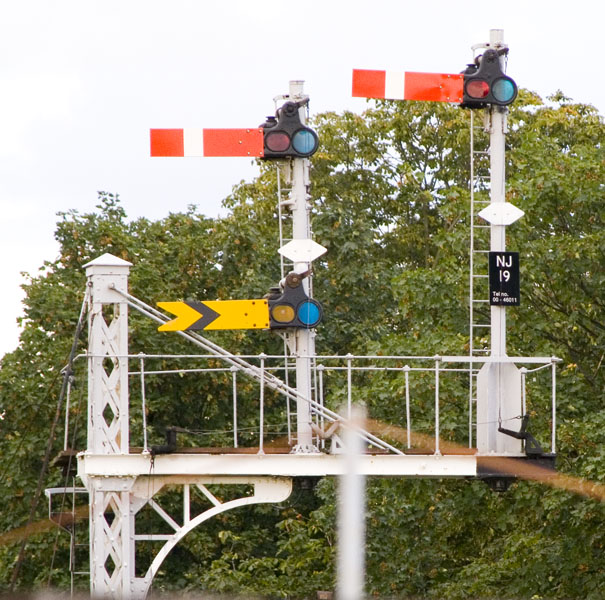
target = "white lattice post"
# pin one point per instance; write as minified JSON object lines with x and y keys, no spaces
{"x":111,"y":520}
{"x":108,"y":350}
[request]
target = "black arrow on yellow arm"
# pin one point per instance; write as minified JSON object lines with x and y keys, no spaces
{"x":216,"y":314}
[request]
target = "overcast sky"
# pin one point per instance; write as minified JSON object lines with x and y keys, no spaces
{"x":84,"y":80}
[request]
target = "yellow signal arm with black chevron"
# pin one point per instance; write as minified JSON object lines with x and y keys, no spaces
{"x":284,"y":308}
{"x":216,"y":314}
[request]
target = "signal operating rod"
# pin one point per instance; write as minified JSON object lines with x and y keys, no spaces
{"x":252,"y":370}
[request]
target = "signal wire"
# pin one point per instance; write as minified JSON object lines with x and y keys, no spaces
{"x":249,"y":369}
{"x":67,"y":373}
{"x":64,"y":496}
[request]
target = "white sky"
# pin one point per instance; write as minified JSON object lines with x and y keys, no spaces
{"x":83,"y":81}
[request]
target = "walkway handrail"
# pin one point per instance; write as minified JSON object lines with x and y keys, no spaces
{"x":264,"y":375}
{"x":251,"y":370}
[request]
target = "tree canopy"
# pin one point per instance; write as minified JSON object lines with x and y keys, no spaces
{"x":390,"y":202}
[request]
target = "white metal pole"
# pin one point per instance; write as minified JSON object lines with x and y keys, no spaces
{"x":351,"y":521}
{"x":437,"y":448}
{"x":497,"y":185}
{"x":234,"y":383}
{"x":408,"y":424}
{"x":186,"y":504}
{"x":498,"y":382}
{"x":305,"y":341}
{"x":67,"y":408}
{"x":349,"y":390}
{"x":261,"y":434}
{"x":143,"y":403}
{"x":553,"y":447}
{"x":471,"y":284}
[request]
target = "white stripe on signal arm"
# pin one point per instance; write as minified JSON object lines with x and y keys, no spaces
{"x":193,"y":142}
{"x":394,"y":85}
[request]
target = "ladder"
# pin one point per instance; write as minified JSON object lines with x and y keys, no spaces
{"x":479,"y":244}
{"x":283,"y":201}
{"x":75,"y":522}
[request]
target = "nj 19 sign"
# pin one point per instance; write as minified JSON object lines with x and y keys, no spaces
{"x":504,"y":279}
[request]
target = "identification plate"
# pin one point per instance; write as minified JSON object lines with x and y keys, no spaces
{"x":504,"y":287}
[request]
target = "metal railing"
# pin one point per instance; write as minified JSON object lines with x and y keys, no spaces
{"x":423,"y":399}
{"x":419,"y":403}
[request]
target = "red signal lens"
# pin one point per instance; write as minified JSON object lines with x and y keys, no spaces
{"x":277,"y":141}
{"x":477,"y":89}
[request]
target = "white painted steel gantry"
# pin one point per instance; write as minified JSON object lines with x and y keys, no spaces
{"x":122,"y":481}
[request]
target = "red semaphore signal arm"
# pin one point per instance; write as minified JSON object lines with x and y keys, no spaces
{"x":400,"y":85}
{"x":207,"y":142}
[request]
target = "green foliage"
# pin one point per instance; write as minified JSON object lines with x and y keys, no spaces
{"x":390,"y":202}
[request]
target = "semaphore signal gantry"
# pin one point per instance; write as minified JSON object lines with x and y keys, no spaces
{"x":121,"y":480}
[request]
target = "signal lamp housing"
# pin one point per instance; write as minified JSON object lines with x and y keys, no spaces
{"x":292,"y":308}
{"x":487,"y":84}
{"x":286,"y":137}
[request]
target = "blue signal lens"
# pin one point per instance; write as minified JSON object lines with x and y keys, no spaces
{"x":305,"y":141}
{"x":308,"y":313}
{"x":504,"y":90}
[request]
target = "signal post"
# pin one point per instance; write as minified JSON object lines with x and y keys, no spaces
{"x":482,"y":85}
{"x":498,"y":383}
{"x":304,"y":339}
{"x":291,"y":310}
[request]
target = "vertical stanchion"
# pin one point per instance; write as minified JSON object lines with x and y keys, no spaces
{"x":553,"y":440}
{"x":351,"y":521}
{"x":262,"y":404}
{"x":186,"y":504}
{"x":437,"y":360}
{"x":349,"y":391}
{"x":287,"y":382}
{"x":322,"y":418}
{"x":470,"y":405}
{"x":67,"y":407}
{"x":143,"y":403}
{"x":234,"y":376}
{"x":406,"y":370}
{"x":523,"y":391}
